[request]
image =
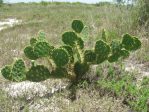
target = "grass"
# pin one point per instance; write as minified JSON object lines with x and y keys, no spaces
{"x":118,"y":83}
{"x":54,"y":19}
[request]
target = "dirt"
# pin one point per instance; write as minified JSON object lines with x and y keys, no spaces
{"x":10,"y":22}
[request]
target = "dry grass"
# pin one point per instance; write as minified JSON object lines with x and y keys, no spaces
{"x":87,"y":101}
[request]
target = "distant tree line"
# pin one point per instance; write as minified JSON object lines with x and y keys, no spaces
{"x":1,"y":2}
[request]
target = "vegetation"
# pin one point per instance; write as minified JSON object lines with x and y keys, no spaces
{"x":124,"y":86}
{"x":69,"y":58}
{"x":1,"y":2}
{"x":144,"y":12}
{"x":57,"y":56}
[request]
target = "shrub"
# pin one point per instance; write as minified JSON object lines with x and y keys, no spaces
{"x":70,"y":60}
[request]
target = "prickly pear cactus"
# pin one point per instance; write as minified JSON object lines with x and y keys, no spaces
{"x":6,"y":72}
{"x":60,"y":57}
{"x":89,"y":56}
{"x":41,"y":36}
{"x":70,"y":58}
{"x":80,"y":43}
{"x":29,"y":53}
{"x":33,"y":41}
{"x":77,"y":26}
{"x":38,"y":73}
{"x":102,"y":51}
{"x":70,"y":52}
{"x":43,"y":49}
{"x":104,"y":35}
{"x":69,"y":38}
{"x":59,"y":72}
{"x":18,"y":71}
{"x":131,"y":43}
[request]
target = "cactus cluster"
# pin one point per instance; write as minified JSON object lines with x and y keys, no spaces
{"x":69,"y":59}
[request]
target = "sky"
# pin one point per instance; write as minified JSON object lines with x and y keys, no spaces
{"x":84,"y":1}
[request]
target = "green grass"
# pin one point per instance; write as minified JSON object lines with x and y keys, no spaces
{"x":124,"y":85}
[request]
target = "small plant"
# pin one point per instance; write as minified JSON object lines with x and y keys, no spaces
{"x":71,"y":60}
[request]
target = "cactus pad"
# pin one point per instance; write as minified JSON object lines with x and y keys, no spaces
{"x":102,"y":48}
{"x":89,"y":56}
{"x":80,"y":42}
{"x":113,"y":58}
{"x":116,"y":47}
{"x":33,"y":41}
{"x":38,"y":73}
{"x":131,"y":43}
{"x":60,"y":57}
{"x":59,"y":73}
{"x":70,"y":52}
{"x":104,"y":35}
{"x":29,"y":53}
{"x":137,"y":44}
{"x":102,"y":51}
{"x":69,"y":38}
{"x":68,"y":49}
{"x":41,"y":36}
{"x":43,"y":49}
{"x":77,"y":26}
{"x":124,"y":53}
{"x":101,"y":58}
{"x":18,"y":71}
{"x":6,"y":72}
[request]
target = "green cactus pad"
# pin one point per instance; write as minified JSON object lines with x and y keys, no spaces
{"x":18,"y":71}
{"x":59,"y":73}
{"x":70,"y":52}
{"x":69,"y":38}
{"x":6,"y":72}
{"x":43,"y":49}
{"x":80,"y":42}
{"x":128,"y":42}
{"x":80,"y":69}
{"x":131,"y":43}
{"x":124,"y":53}
{"x":29,"y":53}
{"x":60,"y":57}
{"x":41,"y":36}
{"x":102,"y":48}
{"x":116,"y":47}
{"x":113,"y":58}
{"x":101,"y":59}
{"x":33,"y":41}
{"x":85,"y":33}
{"x":104,"y":35}
{"x":137,"y":43}
{"x":68,"y":49}
{"x":77,"y":26}
{"x":89,"y":56}
{"x":38,"y":73}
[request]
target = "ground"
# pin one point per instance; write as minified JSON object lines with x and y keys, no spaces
{"x":54,"y":19}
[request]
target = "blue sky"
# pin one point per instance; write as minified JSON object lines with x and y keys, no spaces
{"x":85,"y":1}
